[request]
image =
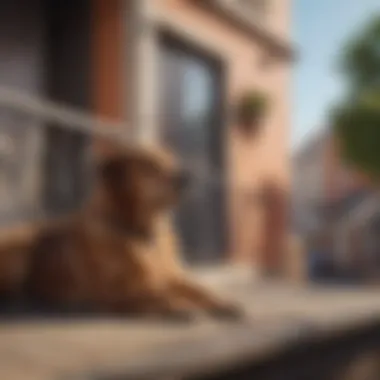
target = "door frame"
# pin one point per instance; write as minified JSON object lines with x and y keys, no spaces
{"x":218,"y":146}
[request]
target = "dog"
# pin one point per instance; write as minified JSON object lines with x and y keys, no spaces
{"x":119,"y":254}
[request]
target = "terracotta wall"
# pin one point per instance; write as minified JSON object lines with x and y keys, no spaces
{"x":279,"y":17}
{"x":108,"y":33}
{"x":107,"y":68}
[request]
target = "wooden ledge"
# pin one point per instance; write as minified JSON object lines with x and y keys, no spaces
{"x":281,"y":317}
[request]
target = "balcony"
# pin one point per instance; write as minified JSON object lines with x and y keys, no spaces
{"x":286,"y":332}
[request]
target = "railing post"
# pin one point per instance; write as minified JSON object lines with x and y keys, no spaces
{"x":143,"y":60}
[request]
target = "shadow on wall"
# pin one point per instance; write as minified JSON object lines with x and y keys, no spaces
{"x":275,"y":203}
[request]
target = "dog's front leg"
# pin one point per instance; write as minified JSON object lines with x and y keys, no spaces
{"x":159,"y":304}
{"x":205,"y":299}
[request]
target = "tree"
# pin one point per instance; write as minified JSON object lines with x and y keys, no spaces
{"x":356,"y":120}
{"x":357,"y":125}
{"x":360,"y":59}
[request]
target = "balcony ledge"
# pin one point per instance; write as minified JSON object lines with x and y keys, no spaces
{"x":233,"y":14}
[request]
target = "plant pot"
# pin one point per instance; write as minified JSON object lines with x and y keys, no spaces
{"x":249,"y":124}
{"x":249,"y":112}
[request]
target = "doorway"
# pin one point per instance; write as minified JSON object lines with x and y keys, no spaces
{"x":191,"y":112}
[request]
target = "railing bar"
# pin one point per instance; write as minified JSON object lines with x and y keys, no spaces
{"x":67,"y":117}
{"x":50,"y":111}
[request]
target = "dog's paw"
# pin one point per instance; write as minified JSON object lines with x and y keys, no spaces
{"x":230,"y":312}
{"x":181,"y":315}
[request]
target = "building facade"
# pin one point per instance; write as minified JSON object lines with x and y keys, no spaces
{"x":308,"y":185}
{"x":169,"y":70}
{"x":337,"y":202}
{"x":322,"y":181}
{"x":352,"y":206}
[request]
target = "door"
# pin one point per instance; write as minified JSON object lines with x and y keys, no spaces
{"x":191,"y":118}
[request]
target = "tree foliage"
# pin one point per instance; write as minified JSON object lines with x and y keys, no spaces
{"x":357,"y":125}
{"x":356,"y":120}
{"x":360,"y":58}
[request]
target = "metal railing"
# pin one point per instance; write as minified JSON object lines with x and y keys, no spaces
{"x":49,"y":111}
{"x":46,"y":168}
{"x":44,"y":157}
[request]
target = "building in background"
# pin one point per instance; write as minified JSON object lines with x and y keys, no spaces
{"x":352,"y":207}
{"x":332,"y":200}
{"x":308,"y":185}
{"x":321,"y":182}
{"x":170,"y":70}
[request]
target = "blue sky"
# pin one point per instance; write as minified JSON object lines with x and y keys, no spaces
{"x":319,"y":28}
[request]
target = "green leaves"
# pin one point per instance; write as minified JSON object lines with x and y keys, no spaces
{"x":356,"y":123}
{"x":356,"y":120}
{"x":360,"y":60}
{"x":252,"y":105}
{"x":249,"y":111}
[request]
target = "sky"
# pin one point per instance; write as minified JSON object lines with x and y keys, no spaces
{"x":320,"y":27}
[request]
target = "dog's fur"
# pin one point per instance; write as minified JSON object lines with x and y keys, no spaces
{"x":119,"y":254}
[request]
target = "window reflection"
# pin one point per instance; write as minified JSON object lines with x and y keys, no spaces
{"x":196,"y":100}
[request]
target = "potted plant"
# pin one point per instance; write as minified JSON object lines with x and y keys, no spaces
{"x":250,"y":109}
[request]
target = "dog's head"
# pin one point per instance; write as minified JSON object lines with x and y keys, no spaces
{"x":142,"y":180}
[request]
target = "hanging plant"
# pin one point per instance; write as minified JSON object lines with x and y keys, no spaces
{"x":250,"y":110}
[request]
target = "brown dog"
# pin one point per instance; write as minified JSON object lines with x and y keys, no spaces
{"x":119,"y":254}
